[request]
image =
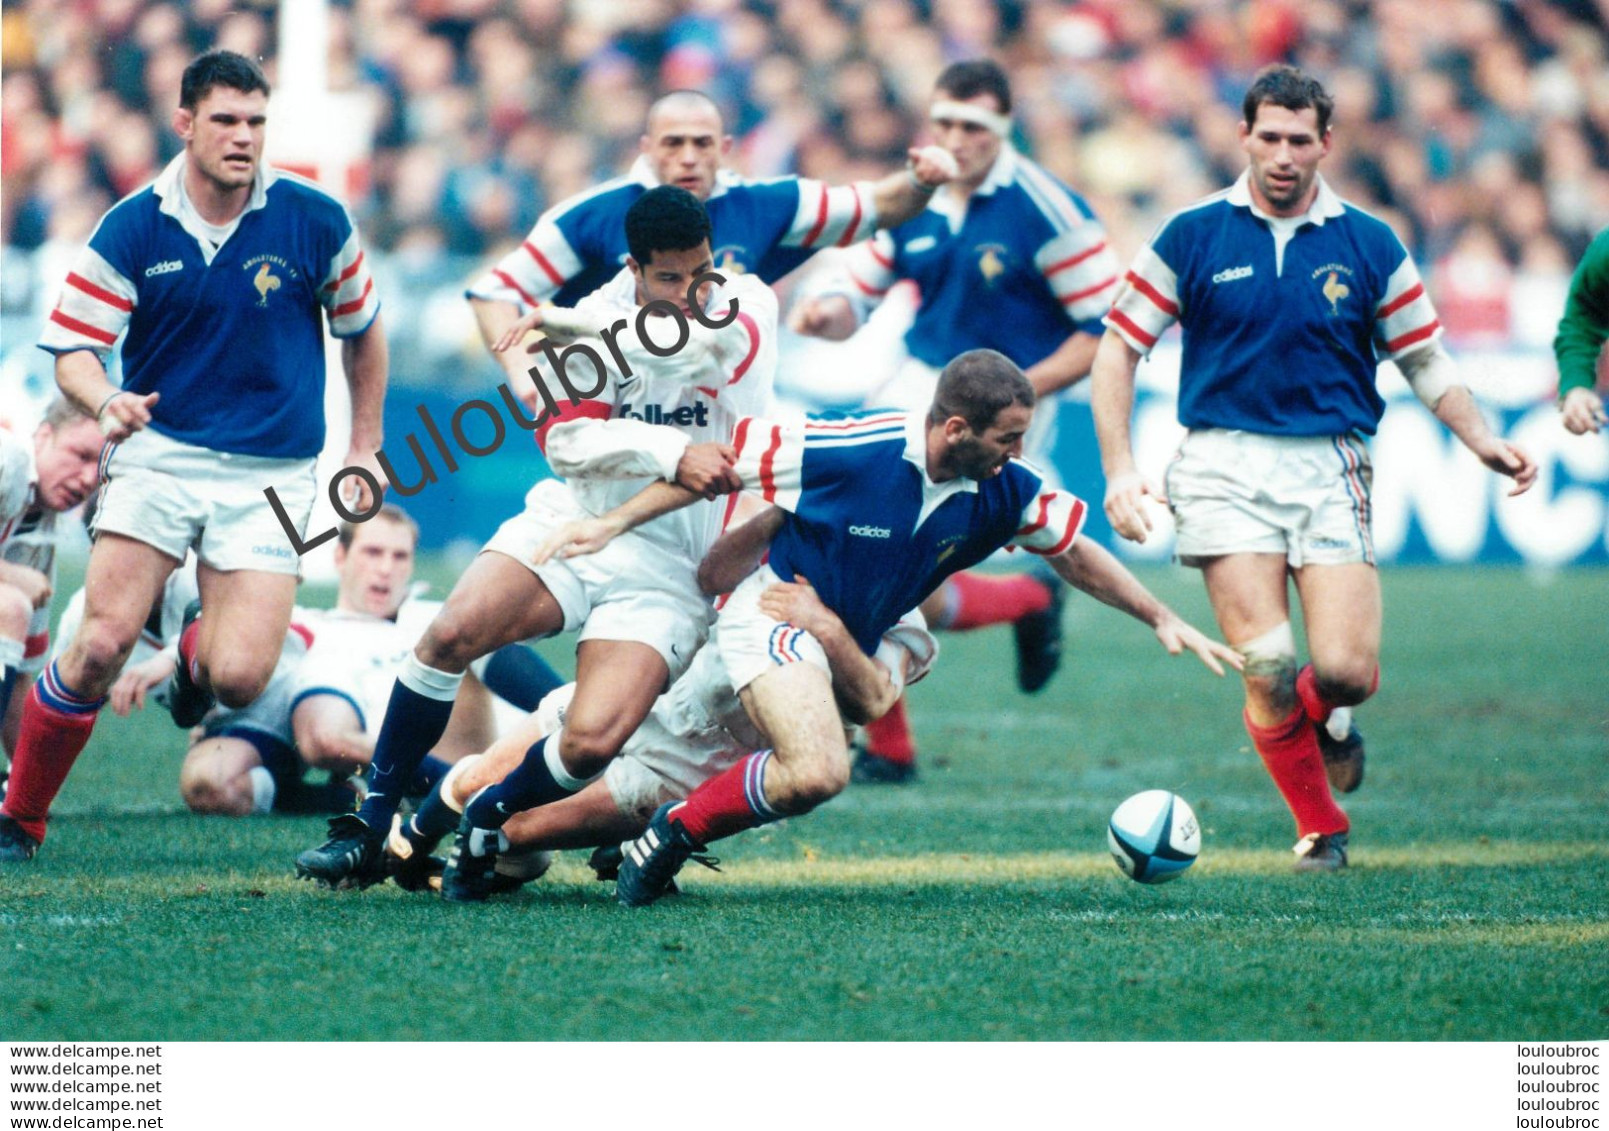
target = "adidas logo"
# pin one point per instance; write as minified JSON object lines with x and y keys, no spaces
{"x":165,"y":268}
{"x":871,"y":531}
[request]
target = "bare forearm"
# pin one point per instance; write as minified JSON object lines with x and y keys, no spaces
{"x":1069,"y":365}
{"x":738,"y":552}
{"x":862,"y":687}
{"x":651,"y":502}
{"x":1112,"y":402}
{"x":82,"y":379}
{"x":1462,"y":416}
{"x":494,"y":319}
{"x":898,"y":198}
{"x":1089,"y":567}
{"x":366,"y":360}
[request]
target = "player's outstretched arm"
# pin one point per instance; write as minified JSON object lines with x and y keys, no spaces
{"x":863,"y":687}
{"x":903,"y":195}
{"x":589,"y":535}
{"x":1088,"y":566}
{"x":738,"y":553}
{"x":1112,"y":402}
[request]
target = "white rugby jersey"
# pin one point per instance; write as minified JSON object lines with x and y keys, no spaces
{"x":27,"y":535}
{"x":636,"y":428}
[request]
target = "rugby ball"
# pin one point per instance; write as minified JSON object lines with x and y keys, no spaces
{"x":1154,"y":836}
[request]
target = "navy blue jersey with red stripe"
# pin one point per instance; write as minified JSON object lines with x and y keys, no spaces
{"x":231,"y":336}
{"x":764,"y":228}
{"x":1284,"y":321}
{"x":869,"y":528}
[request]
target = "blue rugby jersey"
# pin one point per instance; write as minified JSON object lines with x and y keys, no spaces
{"x":764,"y":228}
{"x":1283,"y":330}
{"x":1018,"y":268}
{"x":231,"y":337}
{"x":870,"y":530}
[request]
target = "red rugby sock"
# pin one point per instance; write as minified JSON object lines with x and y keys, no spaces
{"x":48,"y":744}
{"x":890,"y":736}
{"x":1290,"y":751}
{"x":974,"y":600}
{"x":728,"y":803}
{"x":1314,"y":703}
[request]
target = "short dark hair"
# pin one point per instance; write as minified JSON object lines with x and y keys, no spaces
{"x":665,"y":218}
{"x":219,"y":68}
{"x":972,"y":77}
{"x":1285,"y":85}
{"x":347,"y":532}
{"x":978,"y":386}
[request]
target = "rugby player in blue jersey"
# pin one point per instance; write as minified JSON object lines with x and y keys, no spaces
{"x":1288,"y":298}
{"x":218,"y":277}
{"x":1007,"y":258}
{"x":873,"y":511}
{"x":760,"y":227}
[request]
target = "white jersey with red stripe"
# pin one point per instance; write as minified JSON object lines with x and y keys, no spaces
{"x":635,"y":429}
{"x":27,"y":535}
{"x":1285,"y":319}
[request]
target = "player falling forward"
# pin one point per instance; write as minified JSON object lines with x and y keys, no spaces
{"x":1006,"y":258}
{"x":695,"y":731}
{"x":218,"y":273}
{"x":638,"y":610}
{"x":1288,"y":297}
{"x":52,"y":472}
{"x":878,"y":509}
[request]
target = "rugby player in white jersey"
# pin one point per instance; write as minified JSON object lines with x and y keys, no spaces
{"x":680,"y":356}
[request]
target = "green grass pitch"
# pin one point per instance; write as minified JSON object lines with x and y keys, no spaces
{"x":977,"y":904}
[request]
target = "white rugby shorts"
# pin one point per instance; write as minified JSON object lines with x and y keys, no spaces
{"x":752,"y":643}
{"x":1306,"y":497}
{"x":176,"y":496}
{"x":629,"y":590}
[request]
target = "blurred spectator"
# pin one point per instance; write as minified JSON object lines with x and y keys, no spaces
{"x":1479,"y":128}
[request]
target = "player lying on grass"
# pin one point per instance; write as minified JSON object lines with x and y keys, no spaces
{"x":638,"y":608}
{"x":40,"y":477}
{"x":876,"y":509}
{"x":327,"y":696}
{"x":696,"y":730}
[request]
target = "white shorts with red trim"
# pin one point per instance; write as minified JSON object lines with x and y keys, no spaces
{"x":630,"y":590}
{"x":1306,"y":497}
{"x":176,"y":496}
{"x":752,"y":643}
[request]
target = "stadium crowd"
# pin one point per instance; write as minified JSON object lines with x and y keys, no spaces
{"x":1479,"y":129}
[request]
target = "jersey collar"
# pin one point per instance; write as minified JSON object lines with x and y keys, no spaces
{"x":169,"y":189}
{"x":642,"y":173}
{"x":1003,"y":172}
{"x":933,"y":494}
{"x":1326,"y":205}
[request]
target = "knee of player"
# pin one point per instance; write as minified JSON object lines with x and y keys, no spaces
{"x":101,"y":648}
{"x":1270,"y":671}
{"x":16,"y":611}
{"x":1348,"y":683}
{"x":587,"y":750}
{"x":449,"y":644}
{"x":236,"y":685}
{"x":205,"y":792}
{"x":813,"y":784}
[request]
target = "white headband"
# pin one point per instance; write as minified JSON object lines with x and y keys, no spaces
{"x":998,"y":124}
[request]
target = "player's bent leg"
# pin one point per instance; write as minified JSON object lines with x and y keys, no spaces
{"x":1249,"y":598}
{"x":794,"y":706}
{"x":217,"y":779}
{"x":241,"y":631}
{"x":498,"y":600}
{"x":1341,"y":605}
{"x":616,"y":684}
{"x":123,"y":581}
